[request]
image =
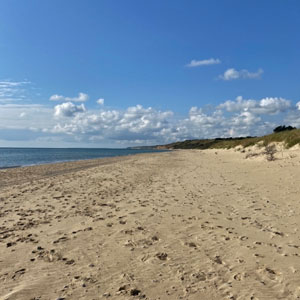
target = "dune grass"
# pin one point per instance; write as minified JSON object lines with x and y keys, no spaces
{"x":289,"y":138}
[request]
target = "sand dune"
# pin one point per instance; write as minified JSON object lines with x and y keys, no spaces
{"x":178,"y":225}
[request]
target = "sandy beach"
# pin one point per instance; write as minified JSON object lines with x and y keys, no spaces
{"x":185,"y":224}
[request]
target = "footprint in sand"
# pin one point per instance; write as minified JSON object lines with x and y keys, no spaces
{"x":162,"y":255}
{"x":268,"y":273}
{"x":200,"y":276}
{"x":61,"y":239}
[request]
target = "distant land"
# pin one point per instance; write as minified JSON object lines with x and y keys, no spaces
{"x":143,"y":147}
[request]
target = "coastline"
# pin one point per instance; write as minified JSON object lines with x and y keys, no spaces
{"x":27,"y":157}
{"x":10,"y":167}
{"x":20,"y":174}
{"x":186,"y":224}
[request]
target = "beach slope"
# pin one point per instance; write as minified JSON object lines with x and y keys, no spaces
{"x":185,"y":224}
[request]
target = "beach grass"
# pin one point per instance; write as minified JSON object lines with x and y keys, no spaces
{"x":288,"y":138}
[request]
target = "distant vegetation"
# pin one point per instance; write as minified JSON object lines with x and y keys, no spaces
{"x":289,"y":137}
{"x":283,"y":128}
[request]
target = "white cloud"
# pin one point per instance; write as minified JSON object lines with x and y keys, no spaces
{"x":134,"y":123}
{"x":245,"y":118}
{"x":205,"y":62}
{"x":100,"y":101}
{"x":57,"y":98}
{"x":7,"y":83}
{"x":269,"y":105}
{"x":218,"y":124}
{"x":82,"y":97}
{"x":12,"y":91}
{"x":25,"y":116}
{"x":153,"y":126}
{"x":238,"y":105}
{"x":68,"y":109}
{"x":144,"y":125}
{"x":232,"y":74}
{"x":293,"y":116}
{"x":272,"y":105}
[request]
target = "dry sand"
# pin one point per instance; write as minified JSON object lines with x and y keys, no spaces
{"x":178,"y":225}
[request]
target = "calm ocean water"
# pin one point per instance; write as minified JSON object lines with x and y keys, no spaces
{"x":16,"y":157}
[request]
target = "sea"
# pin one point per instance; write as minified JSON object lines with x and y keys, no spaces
{"x":20,"y":157}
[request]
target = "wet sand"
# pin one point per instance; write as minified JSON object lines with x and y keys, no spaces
{"x":177,"y":225}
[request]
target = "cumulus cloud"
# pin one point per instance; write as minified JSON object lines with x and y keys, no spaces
{"x":205,"y":62}
{"x":238,"y":105}
{"x":272,"y":105}
{"x":134,"y":123}
{"x":68,"y":109}
{"x":232,"y":118}
{"x":293,"y":116}
{"x":219,"y":124}
{"x":100,"y":101}
{"x":82,"y":97}
{"x":147,"y":125}
{"x":57,"y":98}
{"x":245,"y":118}
{"x":232,"y":74}
{"x":269,"y":105}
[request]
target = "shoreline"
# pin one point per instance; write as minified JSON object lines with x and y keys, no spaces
{"x":186,"y":224}
{"x":11,"y":167}
{"x":39,"y":171}
{"x":70,"y":158}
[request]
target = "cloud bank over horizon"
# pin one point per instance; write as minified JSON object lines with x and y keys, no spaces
{"x":138,"y":125}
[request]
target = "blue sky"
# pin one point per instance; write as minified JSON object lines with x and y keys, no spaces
{"x":165,"y":70}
